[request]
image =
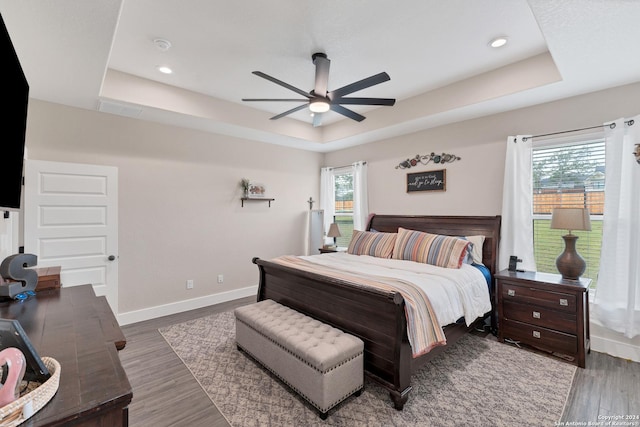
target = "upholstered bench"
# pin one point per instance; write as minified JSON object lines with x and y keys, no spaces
{"x":321,"y":363}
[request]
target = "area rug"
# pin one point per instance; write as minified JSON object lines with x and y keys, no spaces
{"x":476,"y":382}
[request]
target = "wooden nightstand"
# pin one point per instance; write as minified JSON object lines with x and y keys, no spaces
{"x":327,"y":251}
{"x":544,"y":311}
{"x":331,"y":250}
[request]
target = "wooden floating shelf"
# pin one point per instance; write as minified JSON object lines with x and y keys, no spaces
{"x":255,"y":199}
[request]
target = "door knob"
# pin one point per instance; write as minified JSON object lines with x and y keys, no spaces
{"x":112,"y":258}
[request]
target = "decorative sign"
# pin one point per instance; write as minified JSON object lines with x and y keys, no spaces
{"x":427,"y":181}
{"x":426,"y":159}
{"x":256,"y":190}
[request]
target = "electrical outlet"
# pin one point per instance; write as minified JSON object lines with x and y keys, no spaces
{"x":189,"y":284}
{"x":220,"y":278}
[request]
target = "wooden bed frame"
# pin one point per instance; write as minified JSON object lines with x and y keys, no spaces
{"x":375,"y":316}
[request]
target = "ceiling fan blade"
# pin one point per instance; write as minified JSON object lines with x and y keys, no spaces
{"x":281,"y":83}
{"x":322,"y":64}
{"x":282,"y":100}
{"x":347,"y":113}
{"x":286,"y":113}
{"x":365,"y":101}
{"x":317,"y":119}
{"x":359,"y":85}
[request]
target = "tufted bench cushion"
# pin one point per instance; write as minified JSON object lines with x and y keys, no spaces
{"x":323,"y":364}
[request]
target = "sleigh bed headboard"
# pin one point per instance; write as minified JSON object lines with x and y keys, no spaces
{"x":488,"y":226}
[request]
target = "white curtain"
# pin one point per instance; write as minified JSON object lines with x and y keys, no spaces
{"x":360,"y":198}
{"x":516,"y":236}
{"x":327,"y":200}
{"x":617,"y":301}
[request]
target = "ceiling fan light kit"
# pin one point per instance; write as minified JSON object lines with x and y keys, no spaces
{"x":321,"y":100}
{"x":319,"y":106}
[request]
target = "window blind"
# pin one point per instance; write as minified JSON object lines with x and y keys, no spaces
{"x":568,"y":175}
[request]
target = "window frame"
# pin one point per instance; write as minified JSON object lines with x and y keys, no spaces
{"x":345,"y":237}
{"x":596,"y":218}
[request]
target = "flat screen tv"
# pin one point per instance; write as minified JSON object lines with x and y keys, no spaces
{"x":14,"y":123}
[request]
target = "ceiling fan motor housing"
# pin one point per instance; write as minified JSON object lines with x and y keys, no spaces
{"x":321,"y":100}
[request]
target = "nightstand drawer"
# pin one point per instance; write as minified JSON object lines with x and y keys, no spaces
{"x":541,"y":316}
{"x":540,"y":337}
{"x":539,"y":297}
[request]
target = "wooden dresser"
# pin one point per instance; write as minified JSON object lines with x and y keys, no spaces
{"x":79,"y":330}
{"x":544,"y":311}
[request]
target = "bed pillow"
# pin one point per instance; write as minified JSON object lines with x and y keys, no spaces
{"x":374,"y":244}
{"x":434,"y":249}
{"x":475,"y":249}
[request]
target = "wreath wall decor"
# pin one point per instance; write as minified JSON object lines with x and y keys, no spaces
{"x":428,"y":158}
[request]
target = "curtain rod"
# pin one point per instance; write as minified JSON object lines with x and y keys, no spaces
{"x":611,"y":126}
{"x":345,"y":166}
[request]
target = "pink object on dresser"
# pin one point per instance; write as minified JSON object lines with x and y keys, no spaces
{"x":16,"y":364}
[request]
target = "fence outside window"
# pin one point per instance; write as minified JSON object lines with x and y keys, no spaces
{"x":572,"y":176}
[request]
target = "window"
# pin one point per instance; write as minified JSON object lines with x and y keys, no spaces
{"x":568,"y":175}
{"x":344,"y":205}
{"x":343,"y":197}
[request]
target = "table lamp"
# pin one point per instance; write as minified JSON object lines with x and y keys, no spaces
{"x":569,"y":263}
{"x":334,"y":232}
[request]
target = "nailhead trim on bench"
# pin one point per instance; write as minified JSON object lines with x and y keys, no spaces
{"x":272,"y":325}
{"x":295,"y":355}
{"x":307,"y":398}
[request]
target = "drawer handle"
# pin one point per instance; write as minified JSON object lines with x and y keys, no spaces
{"x":536,"y":314}
{"x":511,"y":292}
{"x":564,"y":302}
{"x":536,"y":334}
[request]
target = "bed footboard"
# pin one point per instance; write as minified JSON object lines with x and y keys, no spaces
{"x":374,"y":316}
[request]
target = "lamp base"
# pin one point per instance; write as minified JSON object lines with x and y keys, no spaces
{"x":569,"y":263}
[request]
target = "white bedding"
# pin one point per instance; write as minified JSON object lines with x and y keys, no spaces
{"x":453,"y":293}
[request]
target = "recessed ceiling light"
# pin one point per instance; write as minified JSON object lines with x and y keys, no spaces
{"x":164,"y":69}
{"x":498,"y":41}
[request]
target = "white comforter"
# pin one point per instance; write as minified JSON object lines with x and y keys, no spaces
{"x":453,"y":293}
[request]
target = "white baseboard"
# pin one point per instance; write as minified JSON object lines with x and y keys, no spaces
{"x":615,"y":348}
{"x":185,"y":305}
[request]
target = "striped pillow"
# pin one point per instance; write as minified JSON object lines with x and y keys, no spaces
{"x":375,"y":244}
{"x":434,"y":249}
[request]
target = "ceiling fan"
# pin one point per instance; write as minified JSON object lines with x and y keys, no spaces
{"x":320,"y":100}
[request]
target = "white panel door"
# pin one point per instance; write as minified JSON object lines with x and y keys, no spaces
{"x":71,"y":220}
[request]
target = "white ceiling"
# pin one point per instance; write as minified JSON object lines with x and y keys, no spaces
{"x":100,"y":54}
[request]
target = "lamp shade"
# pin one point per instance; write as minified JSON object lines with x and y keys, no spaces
{"x":334,"y":231}
{"x":570,"y":219}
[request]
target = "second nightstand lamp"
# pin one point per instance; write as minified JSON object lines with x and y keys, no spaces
{"x":334,"y":232}
{"x":569,"y":263}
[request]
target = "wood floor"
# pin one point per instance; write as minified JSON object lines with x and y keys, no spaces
{"x":165,"y":393}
